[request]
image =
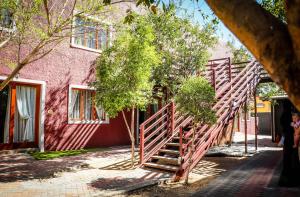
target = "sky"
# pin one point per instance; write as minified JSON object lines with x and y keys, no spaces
{"x":192,"y":9}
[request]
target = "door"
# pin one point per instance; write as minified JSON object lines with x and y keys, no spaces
{"x":4,"y":94}
{"x":19,"y":116}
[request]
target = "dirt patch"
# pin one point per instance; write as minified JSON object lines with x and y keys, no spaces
{"x":208,"y":169}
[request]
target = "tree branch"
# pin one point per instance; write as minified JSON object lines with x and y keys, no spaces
{"x":4,"y":42}
{"x":47,"y":13}
{"x":293,"y":21}
{"x":127,"y":126}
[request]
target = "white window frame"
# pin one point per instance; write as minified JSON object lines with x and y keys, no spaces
{"x":9,"y":30}
{"x":73,"y":45}
{"x":83,"y":87}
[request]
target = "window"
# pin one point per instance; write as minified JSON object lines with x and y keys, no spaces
{"x":90,"y":34}
{"x":82,"y":107}
{"x":6,"y":20}
{"x":260,"y":105}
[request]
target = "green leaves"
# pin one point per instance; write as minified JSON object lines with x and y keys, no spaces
{"x":182,"y":45}
{"x":124,"y":70}
{"x":276,"y":7}
{"x":196,"y":98}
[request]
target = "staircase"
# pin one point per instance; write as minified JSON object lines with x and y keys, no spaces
{"x":166,"y":137}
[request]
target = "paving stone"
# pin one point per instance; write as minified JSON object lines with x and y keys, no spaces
{"x":21,"y":175}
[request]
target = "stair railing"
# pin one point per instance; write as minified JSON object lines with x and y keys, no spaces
{"x":234,"y":94}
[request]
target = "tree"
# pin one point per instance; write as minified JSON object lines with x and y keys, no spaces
{"x":124,"y":73}
{"x":267,"y":90}
{"x":240,"y":54}
{"x":37,"y":27}
{"x":273,"y":42}
{"x":182,"y":45}
{"x":196,"y":98}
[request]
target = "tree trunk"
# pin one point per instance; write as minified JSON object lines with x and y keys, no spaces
{"x":267,"y":38}
{"x":130,"y":133}
{"x":191,"y":155}
{"x":291,"y":168}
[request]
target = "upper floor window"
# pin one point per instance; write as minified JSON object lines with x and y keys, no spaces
{"x":6,"y":20}
{"x":90,"y":34}
{"x":82,"y":108}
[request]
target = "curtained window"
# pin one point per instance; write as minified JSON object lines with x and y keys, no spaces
{"x":82,"y":108}
{"x":90,"y":34}
{"x":24,"y":123}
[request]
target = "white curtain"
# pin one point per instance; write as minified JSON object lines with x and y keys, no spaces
{"x":7,"y":118}
{"x":88,"y":105}
{"x":75,"y":105}
{"x":25,"y":114}
{"x":100,"y":113}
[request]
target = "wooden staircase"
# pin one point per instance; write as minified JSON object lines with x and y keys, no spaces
{"x":166,"y":137}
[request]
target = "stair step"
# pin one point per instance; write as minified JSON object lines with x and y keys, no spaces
{"x":173,"y":144}
{"x":168,"y":151}
{"x":170,"y":160}
{"x":177,"y":138}
{"x":161,"y":166}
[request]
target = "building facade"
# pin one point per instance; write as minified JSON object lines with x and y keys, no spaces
{"x":49,"y":104}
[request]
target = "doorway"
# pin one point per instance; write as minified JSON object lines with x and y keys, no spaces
{"x":4,"y":94}
{"x":19,"y":115}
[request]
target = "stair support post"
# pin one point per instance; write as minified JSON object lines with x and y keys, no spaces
{"x":229,"y":70}
{"x":245,"y":126}
{"x":180,"y":141}
{"x":172,"y":117}
{"x":213,"y":79}
{"x":142,"y":129}
{"x":255,"y":120}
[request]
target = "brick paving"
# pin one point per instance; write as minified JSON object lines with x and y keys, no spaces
{"x":257,"y":177}
{"x":104,"y":173}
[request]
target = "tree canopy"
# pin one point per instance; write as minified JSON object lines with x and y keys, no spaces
{"x":195,"y":98}
{"x":183,"y":47}
{"x":124,"y":70}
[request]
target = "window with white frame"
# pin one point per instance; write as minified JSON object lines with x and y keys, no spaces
{"x":7,"y":24}
{"x":82,"y":108}
{"x":88,"y":33}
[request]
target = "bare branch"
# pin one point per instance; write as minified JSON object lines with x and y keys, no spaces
{"x":3,"y":43}
{"x":47,"y":13}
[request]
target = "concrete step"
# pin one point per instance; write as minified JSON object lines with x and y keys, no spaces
{"x":161,"y":166}
{"x":177,"y":138}
{"x":168,"y":151}
{"x":173,"y":144}
{"x":168,"y":160}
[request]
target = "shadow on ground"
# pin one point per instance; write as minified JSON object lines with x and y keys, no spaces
{"x":123,"y":165}
{"x":21,"y":166}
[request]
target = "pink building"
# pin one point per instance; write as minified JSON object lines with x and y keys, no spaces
{"x":49,"y":104}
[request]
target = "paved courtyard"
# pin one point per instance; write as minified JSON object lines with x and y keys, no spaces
{"x":108,"y":172}
{"x":103,"y":173}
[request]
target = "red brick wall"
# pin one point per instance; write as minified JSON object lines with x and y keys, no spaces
{"x":61,"y":68}
{"x":250,"y":126}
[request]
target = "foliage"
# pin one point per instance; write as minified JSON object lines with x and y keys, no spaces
{"x":276,"y":7}
{"x":56,"y":154}
{"x":182,"y":45}
{"x":196,"y":98}
{"x":267,"y":90}
{"x":64,"y":153}
{"x":40,"y":26}
{"x":240,"y":54}
{"x":124,"y":70}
